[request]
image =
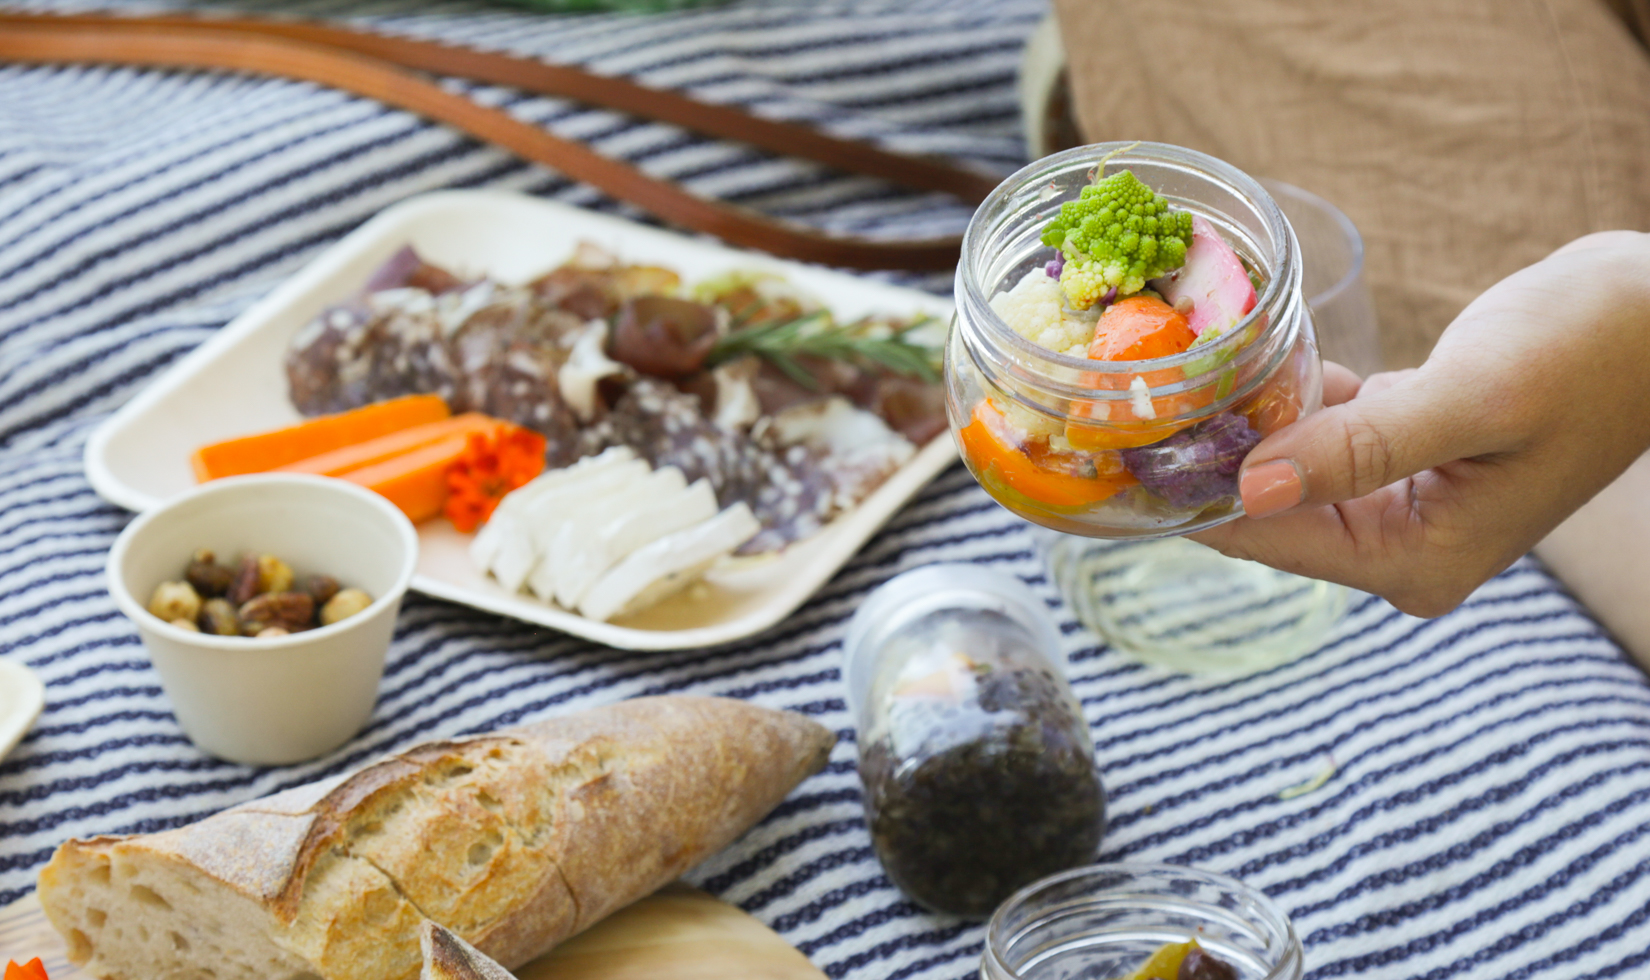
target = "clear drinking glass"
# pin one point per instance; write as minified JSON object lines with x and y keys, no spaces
{"x":1175,"y":604}
{"x":1106,"y":920}
{"x":1332,"y":277}
{"x":1112,"y":452}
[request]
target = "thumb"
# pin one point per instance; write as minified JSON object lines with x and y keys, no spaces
{"x":1359,"y":446}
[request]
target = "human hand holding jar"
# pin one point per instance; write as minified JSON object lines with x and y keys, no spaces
{"x":1420,"y":485}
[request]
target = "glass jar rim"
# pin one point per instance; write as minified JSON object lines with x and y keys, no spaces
{"x":1117,"y":155}
{"x":923,"y":591}
{"x":1289,"y":962}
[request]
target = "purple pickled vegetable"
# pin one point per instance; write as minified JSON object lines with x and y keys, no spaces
{"x":1197,"y":466}
{"x":1200,"y":964}
{"x":1056,"y":265}
{"x":406,"y":268}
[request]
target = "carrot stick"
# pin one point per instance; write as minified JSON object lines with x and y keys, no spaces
{"x":269,"y":450}
{"x":415,"y":481}
{"x":341,"y":461}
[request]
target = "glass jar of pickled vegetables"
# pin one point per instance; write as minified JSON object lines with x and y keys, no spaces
{"x":1127,"y":448}
{"x":1140,"y":921}
{"x":1121,"y":415}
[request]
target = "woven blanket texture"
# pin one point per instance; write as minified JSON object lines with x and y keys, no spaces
{"x":1487,"y":815}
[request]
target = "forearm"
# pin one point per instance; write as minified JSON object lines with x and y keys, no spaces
{"x":1603,"y":555}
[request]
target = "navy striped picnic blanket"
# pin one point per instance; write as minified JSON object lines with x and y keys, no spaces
{"x":1486,"y":811}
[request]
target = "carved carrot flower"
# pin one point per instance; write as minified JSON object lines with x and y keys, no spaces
{"x":491,"y":465}
{"x":32,"y":970}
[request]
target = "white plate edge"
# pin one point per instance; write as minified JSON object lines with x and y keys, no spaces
{"x":14,"y":726}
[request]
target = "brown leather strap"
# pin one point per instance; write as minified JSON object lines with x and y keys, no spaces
{"x":375,"y":66}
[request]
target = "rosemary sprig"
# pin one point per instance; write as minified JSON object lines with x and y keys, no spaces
{"x":816,"y":335}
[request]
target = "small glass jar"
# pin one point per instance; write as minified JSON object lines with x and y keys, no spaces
{"x":1107,"y":920}
{"x":978,"y":767}
{"x":1125,"y":449}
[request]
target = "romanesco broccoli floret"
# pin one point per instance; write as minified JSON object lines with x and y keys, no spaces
{"x":1117,"y":234}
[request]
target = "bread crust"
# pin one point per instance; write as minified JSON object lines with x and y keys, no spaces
{"x":514,"y":840}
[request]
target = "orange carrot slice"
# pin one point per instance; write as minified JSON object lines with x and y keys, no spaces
{"x":266,"y":451}
{"x":385,"y":447}
{"x":996,"y":456}
{"x":1279,"y":402}
{"x":1135,"y":329}
{"x":1138,"y":329}
{"x":415,"y":481}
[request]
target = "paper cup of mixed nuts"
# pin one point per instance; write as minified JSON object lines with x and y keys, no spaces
{"x":267,"y":604}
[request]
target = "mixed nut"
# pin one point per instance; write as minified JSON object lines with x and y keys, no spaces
{"x":260,"y":597}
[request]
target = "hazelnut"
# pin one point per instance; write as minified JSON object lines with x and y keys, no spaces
{"x":207,"y":576}
{"x":292,"y":611}
{"x":246,"y":581}
{"x":175,"y":600}
{"x":274,"y":575}
{"x":218,"y":617}
{"x":343,"y":605}
{"x":186,"y":624}
{"x":321,"y":588}
{"x":268,"y":631}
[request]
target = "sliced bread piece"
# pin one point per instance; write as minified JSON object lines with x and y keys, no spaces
{"x":447,"y":957}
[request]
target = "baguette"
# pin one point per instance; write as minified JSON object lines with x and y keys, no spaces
{"x":514,"y":840}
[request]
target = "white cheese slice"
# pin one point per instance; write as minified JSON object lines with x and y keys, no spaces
{"x":521,"y":555}
{"x":656,"y":571}
{"x":562,"y":540}
{"x":587,"y":549}
{"x":521,"y":548}
{"x":484,"y":547}
{"x":516,"y":557}
{"x":547,"y":508}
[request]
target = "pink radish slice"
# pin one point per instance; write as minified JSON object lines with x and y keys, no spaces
{"x":1213,"y":279}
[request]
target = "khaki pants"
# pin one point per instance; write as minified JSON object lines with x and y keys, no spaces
{"x":1465,"y":138}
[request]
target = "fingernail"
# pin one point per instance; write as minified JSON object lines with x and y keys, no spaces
{"x":1270,"y":488}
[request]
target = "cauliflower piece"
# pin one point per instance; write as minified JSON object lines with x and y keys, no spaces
{"x":1140,"y":399}
{"x":1033,"y":424}
{"x":1116,"y":235}
{"x":1035,"y":309}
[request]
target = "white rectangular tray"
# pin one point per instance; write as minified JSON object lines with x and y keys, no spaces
{"x":235,"y":384}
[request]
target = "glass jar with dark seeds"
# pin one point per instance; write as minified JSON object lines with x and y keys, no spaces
{"x":977,"y":764}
